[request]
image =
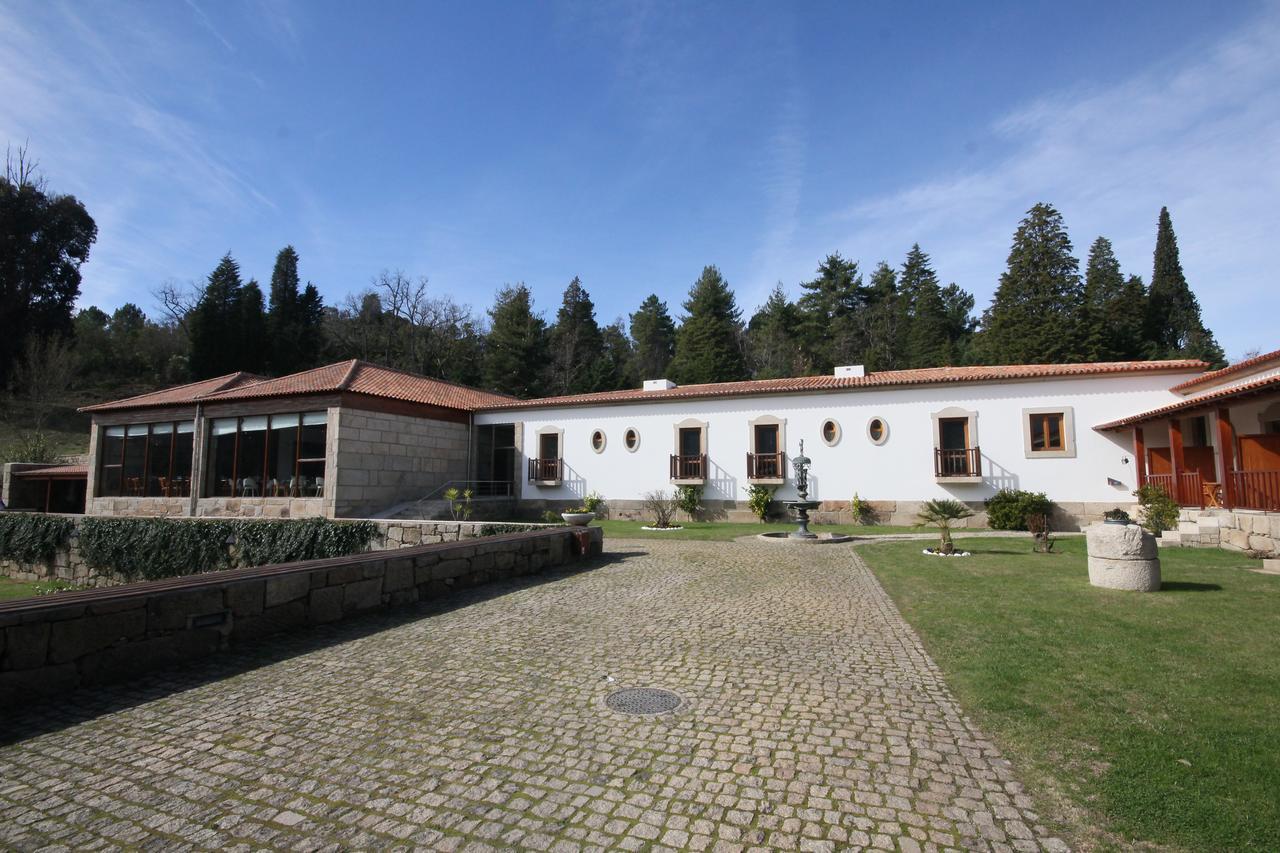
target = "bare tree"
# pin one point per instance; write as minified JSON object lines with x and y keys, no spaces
{"x":44,"y":376}
{"x":177,"y":301}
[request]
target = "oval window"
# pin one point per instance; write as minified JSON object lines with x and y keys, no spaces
{"x":631,"y":439}
{"x":830,"y":432}
{"x":597,"y":440}
{"x":877,"y":430}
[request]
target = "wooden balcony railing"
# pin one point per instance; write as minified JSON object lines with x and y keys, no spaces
{"x":965,"y":462}
{"x":1187,"y":489}
{"x":1256,"y":490}
{"x":766,"y":466}
{"x":689,"y":467}
{"x":546,"y":470}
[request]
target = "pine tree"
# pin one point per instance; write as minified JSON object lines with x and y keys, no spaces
{"x":617,"y":358}
{"x":255,"y":344}
{"x":886,"y":321}
{"x":1034,"y":317}
{"x":1113,"y":309}
{"x":214,"y":324}
{"x":310,"y":324}
{"x":575,"y":344}
{"x":1174,"y":327}
{"x":832,"y":331}
{"x":772,"y":342}
{"x":957,"y":305}
{"x":654,"y":335}
{"x":282,"y":318}
{"x":515,"y":352}
{"x":709,"y":340}
{"x":928,"y":342}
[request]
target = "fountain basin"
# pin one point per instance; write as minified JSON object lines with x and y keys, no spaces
{"x":811,"y":539}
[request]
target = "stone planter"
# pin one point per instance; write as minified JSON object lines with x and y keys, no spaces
{"x":578,"y":519}
{"x":1122,"y":557}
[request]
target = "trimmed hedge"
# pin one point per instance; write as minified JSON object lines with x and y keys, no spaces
{"x":33,"y":537}
{"x":153,"y":548}
{"x":1008,"y":509}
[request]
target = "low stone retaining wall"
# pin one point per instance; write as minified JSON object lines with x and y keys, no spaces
{"x":1234,"y":530}
{"x":68,"y":565}
{"x":55,"y":643}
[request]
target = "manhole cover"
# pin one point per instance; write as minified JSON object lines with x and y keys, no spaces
{"x":643,"y":700}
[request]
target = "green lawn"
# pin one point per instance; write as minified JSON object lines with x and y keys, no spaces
{"x":10,"y":589}
{"x":724,"y":530}
{"x":1155,"y":715}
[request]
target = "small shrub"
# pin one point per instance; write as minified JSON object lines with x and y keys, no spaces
{"x":758,"y":499}
{"x":1040,"y":532}
{"x":941,"y":513}
{"x":552,"y":517}
{"x":689,"y":500}
{"x":661,"y":506}
{"x":32,"y":537}
{"x":1158,"y":512}
{"x":861,"y":511}
{"x":1008,"y":509}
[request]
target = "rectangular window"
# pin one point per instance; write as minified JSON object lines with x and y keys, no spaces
{"x":311,"y":442}
{"x":549,"y":446}
{"x":145,"y":460}
{"x":1047,"y":432}
{"x":690,"y":441}
{"x":282,"y":455}
{"x":222,"y":457}
{"x":267,"y":456}
{"x":766,"y":438}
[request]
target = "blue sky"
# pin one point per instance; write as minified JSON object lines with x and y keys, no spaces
{"x":630,"y":144}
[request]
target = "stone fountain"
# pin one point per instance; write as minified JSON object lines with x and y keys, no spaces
{"x":802,"y":535}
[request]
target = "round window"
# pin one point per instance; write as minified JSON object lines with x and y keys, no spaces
{"x":877,"y":430}
{"x":830,"y":432}
{"x":631,"y":439}
{"x":598,"y":441}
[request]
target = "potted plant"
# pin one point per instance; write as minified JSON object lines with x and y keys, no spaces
{"x":1116,"y":516}
{"x":941,"y":513}
{"x":579,"y":516}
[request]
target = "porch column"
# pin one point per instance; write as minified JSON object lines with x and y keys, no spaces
{"x":1227,"y":457}
{"x":1176,"y":457}
{"x":1140,"y":456}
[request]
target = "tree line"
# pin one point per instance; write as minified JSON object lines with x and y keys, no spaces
{"x":896,"y":317}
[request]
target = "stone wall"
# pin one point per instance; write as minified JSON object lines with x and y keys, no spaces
{"x":56,"y":643}
{"x":383,"y":459}
{"x":68,"y":565}
{"x":1235,"y":530}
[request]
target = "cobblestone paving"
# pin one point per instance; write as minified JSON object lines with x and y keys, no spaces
{"x":812,"y":719}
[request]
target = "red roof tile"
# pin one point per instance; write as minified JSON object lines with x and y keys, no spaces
{"x":361,"y":377}
{"x":1214,"y":375}
{"x":178,"y":395}
{"x":1242,"y":390}
{"x":882,"y":379}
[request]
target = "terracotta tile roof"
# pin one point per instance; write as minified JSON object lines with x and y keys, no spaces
{"x":1246,"y":389}
{"x":61,"y":471}
{"x":882,"y":379}
{"x":361,"y":377}
{"x":1215,"y":375}
{"x":178,"y":395}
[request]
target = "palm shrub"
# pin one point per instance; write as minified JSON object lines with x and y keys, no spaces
{"x":758,"y":500}
{"x":941,"y":513}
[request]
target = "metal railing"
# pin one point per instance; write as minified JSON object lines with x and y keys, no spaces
{"x":766,"y":466}
{"x":962,"y":462}
{"x":546,"y":470}
{"x":479,"y":488}
{"x":689,"y":467}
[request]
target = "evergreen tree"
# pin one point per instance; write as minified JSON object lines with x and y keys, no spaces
{"x":1126,"y":315}
{"x":1174,"y":326}
{"x":282,"y":319}
{"x":1034,"y":317}
{"x":832,"y":309}
{"x":957,"y":305}
{"x":575,"y":344}
{"x":928,"y":339}
{"x":254,"y":341}
{"x":214,"y":323}
{"x":772,"y":340}
{"x":887,"y":322}
{"x":653,"y":333}
{"x":311,"y":335}
{"x":617,"y":359}
{"x":515,"y":352}
{"x":709,"y":341}
{"x":1112,"y":311}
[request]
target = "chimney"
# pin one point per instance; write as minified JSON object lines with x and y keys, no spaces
{"x":658,"y":385}
{"x":845,"y":371}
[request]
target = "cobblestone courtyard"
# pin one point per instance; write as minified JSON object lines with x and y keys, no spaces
{"x":812,"y":719}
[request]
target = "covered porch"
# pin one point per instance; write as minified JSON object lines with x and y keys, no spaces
{"x":1216,"y":450}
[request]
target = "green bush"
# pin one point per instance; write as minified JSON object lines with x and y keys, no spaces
{"x":153,"y":548}
{"x":758,"y":499}
{"x":1008,"y":509}
{"x":689,"y":500}
{"x":861,"y":511}
{"x":1158,"y":512}
{"x":32,"y":537}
